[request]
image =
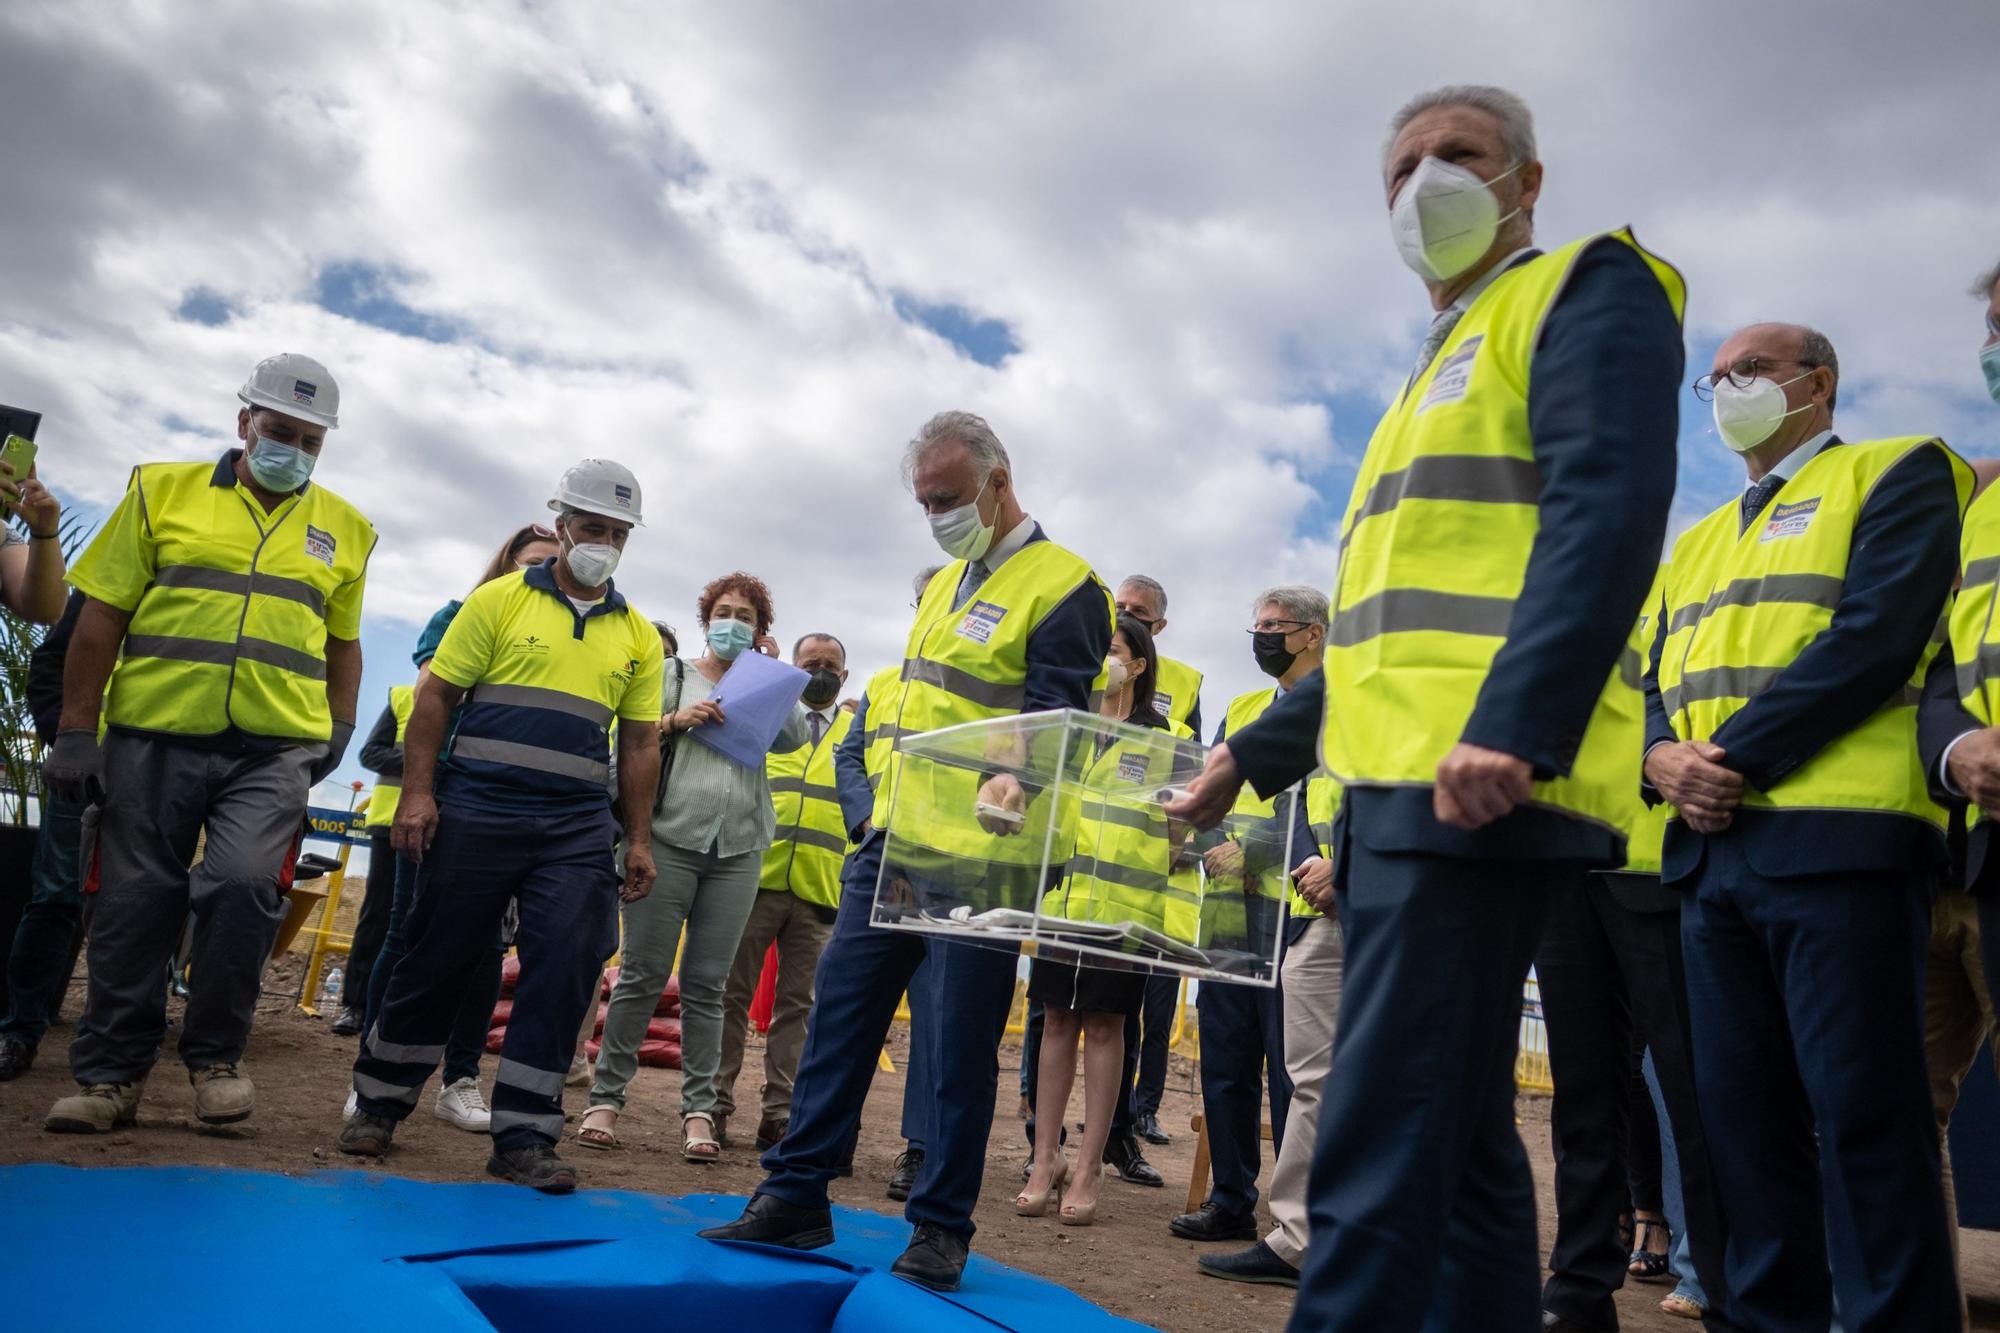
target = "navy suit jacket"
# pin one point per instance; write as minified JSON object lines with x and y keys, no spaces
{"x":1942,"y":719}
{"x":1603,"y":414}
{"x":1900,"y":569}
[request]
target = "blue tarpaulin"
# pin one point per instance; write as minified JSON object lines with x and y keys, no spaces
{"x":162,"y":1248}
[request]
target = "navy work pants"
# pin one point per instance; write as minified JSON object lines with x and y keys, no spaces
{"x":1421,"y":1200}
{"x":1806,"y":996}
{"x":38,"y":960}
{"x":561,"y":870}
{"x":862,"y":974}
{"x":481,"y":986}
{"x":1156,"y":1026}
{"x":1242,"y":1053}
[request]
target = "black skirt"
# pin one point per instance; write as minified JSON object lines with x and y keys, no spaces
{"x":1094,"y":990}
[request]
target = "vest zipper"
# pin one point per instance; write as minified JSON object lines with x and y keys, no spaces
{"x":243,"y":620}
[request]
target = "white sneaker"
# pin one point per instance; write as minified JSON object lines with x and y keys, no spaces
{"x":461,"y":1104}
{"x":352,"y":1108}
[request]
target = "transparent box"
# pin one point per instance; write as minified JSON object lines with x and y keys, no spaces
{"x":1050,"y":829}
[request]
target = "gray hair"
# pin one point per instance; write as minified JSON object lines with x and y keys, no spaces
{"x":1816,"y":349}
{"x":924,"y":577}
{"x":1299,"y":601}
{"x":1150,"y":586}
{"x":1983,"y":287}
{"x":1517,"y":123}
{"x":964,"y":428}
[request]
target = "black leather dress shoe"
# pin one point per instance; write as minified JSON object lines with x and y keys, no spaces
{"x":1259,"y":1263}
{"x":908,"y":1163}
{"x":1149,"y":1130}
{"x":1555,"y":1323}
{"x":1210,"y":1222}
{"x":935,"y":1259}
{"x":769,"y":1220}
{"x":346,"y":1023}
{"x":1123,"y":1156}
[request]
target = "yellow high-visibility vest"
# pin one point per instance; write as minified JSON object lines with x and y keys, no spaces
{"x":1434,"y":552}
{"x":389,"y":794}
{"x":1741,"y":607}
{"x":1322,"y":798}
{"x":879,"y":728}
{"x":1176,"y":690}
{"x":230,"y":604}
{"x":805,"y":857}
{"x":1121,"y":868}
{"x":1975,"y":641}
{"x":1645,"y":826}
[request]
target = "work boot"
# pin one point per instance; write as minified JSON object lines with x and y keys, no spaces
{"x":461,"y":1105}
{"x":908,"y":1163}
{"x":366,"y":1135}
{"x":16,"y":1058}
{"x":534,"y":1165}
{"x":769,"y":1220}
{"x":346,"y":1023}
{"x":98,"y":1108}
{"x":222,"y":1096}
{"x":935,"y":1259}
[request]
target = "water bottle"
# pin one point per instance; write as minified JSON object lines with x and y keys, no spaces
{"x":329,"y":989}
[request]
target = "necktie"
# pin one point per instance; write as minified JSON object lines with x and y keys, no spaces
{"x":1756,"y":498}
{"x":818,"y":725}
{"x":976,"y":574}
{"x":1441,"y":327}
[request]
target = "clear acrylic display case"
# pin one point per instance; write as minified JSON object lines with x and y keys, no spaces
{"x":1050,"y":829}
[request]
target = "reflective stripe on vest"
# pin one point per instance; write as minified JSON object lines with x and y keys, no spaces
{"x":805,"y":857}
{"x":231,"y":630}
{"x":1122,"y":866}
{"x":1975,"y":641}
{"x":1434,"y":551}
{"x":388,"y":795}
{"x":1251,"y":816}
{"x":1743,"y":604}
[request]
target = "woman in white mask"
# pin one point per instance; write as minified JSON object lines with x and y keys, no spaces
{"x":712,"y":821}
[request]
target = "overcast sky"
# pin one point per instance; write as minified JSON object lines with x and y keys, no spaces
{"x":748,"y":248}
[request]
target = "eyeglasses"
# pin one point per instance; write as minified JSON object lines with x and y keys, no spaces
{"x":1743,"y":372}
{"x":1273,"y":626}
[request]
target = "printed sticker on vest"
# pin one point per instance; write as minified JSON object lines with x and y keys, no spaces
{"x":1163,"y":703}
{"x":1789,"y":520}
{"x":1132,"y":767}
{"x":981,"y":619}
{"x":319,"y":545}
{"x":1454,"y":375}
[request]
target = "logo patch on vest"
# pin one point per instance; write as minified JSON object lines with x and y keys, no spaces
{"x":981,"y":619}
{"x":1788,"y":520}
{"x":1454,"y":375}
{"x":1132,"y":767}
{"x":319,"y":545}
{"x":1163,"y":703}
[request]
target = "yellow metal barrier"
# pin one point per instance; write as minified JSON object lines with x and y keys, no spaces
{"x":325,"y":938}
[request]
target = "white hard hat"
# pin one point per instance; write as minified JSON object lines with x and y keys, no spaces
{"x":599,"y":486}
{"x":296,"y":385}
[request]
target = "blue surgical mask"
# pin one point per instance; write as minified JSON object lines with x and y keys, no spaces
{"x":278,"y":467}
{"x":1989,"y":362}
{"x":728,"y":638}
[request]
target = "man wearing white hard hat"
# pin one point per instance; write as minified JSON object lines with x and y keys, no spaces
{"x":224,"y":613}
{"x":544,"y":661}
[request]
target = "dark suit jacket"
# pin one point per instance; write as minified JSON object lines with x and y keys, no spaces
{"x":1899,"y":572}
{"x":1942,"y":719}
{"x":1603,"y":412}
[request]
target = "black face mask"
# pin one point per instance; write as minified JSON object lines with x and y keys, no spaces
{"x":1273,"y":658}
{"x":822,"y":688}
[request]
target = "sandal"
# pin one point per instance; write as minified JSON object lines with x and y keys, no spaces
{"x":1683,"y":1306}
{"x":700,"y":1148}
{"x":1648,"y":1264}
{"x":599,"y":1133}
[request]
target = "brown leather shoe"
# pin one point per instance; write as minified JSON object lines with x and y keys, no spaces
{"x":769,"y":1132}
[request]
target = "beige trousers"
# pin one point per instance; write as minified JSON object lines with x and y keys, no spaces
{"x":1958,"y":1014}
{"x":1311,"y":980}
{"x":801,"y":936}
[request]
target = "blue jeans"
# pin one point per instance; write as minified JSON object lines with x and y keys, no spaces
{"x":482,"y":988}
{"x":42,"y":941}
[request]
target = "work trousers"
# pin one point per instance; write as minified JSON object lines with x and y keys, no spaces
{"x":712,"y":895}
{"x":1242,"y":1052}
{"x":1806,"y":1000}
{"x":800,"y":931}
{"x":1156,"y":1026}
{"x":862,"y":974}
{"x":38,"y":959}
{"x":480,"y":988}
{"x":561,"y":870}
{"x":372,"y":925}
{"x":917,"y":1089}
{"x":159,"y":796}
{"x":1421,"y":1200}
{"x":1606,"y":973}
{"x":1311,"y":1002}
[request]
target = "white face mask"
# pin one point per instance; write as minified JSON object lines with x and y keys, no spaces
{"x":960,"y":532}
{"x":591,"y":563}
{"x":1445,"y":218}
{"x":1745,"y":418}
{"x":1116,"y":675}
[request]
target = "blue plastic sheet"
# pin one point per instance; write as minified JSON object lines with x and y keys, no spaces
{"x":182,"y":1247}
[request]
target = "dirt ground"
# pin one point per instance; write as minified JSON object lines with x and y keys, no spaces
{"x":1128,"y":1262}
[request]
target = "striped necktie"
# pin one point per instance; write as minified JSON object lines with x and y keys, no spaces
{"x":1441,"y":327}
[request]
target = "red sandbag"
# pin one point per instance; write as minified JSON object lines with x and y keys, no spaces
{"x":655,"y":1054}
{"x":495,"y":1039}
{"x":670,"y":998}
{"x":766,"y":998}
{"x":510,"y":973}
{"x":502,"y":1011}
{"x":664,"y":1029}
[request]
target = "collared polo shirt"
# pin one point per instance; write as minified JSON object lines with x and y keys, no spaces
{"x":545,"y":685}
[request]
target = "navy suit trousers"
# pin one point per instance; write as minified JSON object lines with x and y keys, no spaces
{"x":1806,"y":1000}
{"x":1421,"y":1201}
{"x":862,"y":974}
{"x":1242,"y":1049}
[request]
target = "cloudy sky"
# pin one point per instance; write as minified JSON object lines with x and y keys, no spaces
{"x":748,"y":248}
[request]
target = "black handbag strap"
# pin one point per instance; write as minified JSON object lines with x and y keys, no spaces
{"x":669,"y":743}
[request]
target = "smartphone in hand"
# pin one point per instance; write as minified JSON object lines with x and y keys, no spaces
{"x":19,"y":455}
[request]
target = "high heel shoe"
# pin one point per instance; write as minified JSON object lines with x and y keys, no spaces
{"x":1037,"y":1205}
{"x":1081,"y":1214}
